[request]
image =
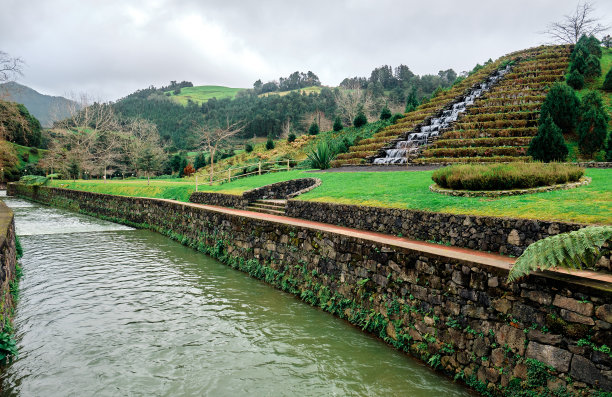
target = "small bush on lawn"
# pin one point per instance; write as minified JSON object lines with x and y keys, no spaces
{"x":505,"y":176}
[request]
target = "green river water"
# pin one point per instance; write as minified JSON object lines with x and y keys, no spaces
{"x":108,"y":310}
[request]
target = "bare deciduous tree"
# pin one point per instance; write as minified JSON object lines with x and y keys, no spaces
{"x":349,"y":100}
{"x":214,"y":138}
{"x":573,"y":26}
{"x":10,"y":67}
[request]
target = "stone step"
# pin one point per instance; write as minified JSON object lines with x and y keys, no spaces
{"x":266,"y":210}
{"x":279,"y":207}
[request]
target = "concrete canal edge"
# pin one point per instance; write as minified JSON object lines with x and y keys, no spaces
{"x":8,"y":282}
{"x":450,"y":307}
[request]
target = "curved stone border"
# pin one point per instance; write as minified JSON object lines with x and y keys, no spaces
{"x":499,"y":193}
{"x":282,"y":190}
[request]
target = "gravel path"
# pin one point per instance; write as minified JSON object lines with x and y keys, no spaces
{"x":382,"y":168}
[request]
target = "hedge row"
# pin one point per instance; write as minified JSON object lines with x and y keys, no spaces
{"x":491,"y":133}
{"x":505,"y":176}
{"x":482,"y":142}
{"x":476,"y":151}
{"x":469,"y":125}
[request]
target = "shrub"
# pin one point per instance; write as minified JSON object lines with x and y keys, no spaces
{"x":248,"y":147}
{"x":314,"y":129}
{"x":360,"y":120}
{"x":34,"y":150}
{"x":609,"y":148}
{"x":593,"y":67}
{"x":291,"y":137}
{"x":321,"y":156}
{"x":575,"y":80}
{"x":607,"y":84}
{"x":385,"y":113}
{"x":338,"y":124}
{"x":505,"y":176}
{"x":187,"y":171}
{"x":562,"y":104}
{"x":396,"y":117}
{"x":549,"y":144}
{"x":270,"y":143}
{"x":593,"y":124}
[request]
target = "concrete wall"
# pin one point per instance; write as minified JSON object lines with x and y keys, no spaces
{"x":546,"y":333}
{"x":8,"y":262}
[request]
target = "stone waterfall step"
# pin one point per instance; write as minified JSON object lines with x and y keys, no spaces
{"x":273,"y":207}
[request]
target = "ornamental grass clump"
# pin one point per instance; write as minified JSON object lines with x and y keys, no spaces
{"x":505,"y":176}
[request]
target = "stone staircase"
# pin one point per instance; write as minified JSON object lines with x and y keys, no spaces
{"x":273,"y":207}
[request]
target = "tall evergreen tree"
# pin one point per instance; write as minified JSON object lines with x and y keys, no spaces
{"x":360,"y":119}
{"x":607,"y":84}
{"x":548,"y":145}
{"x":338,"y":124}
{"x":411,"y":101}
{"x":562,"y":105}
{"x":593,"y":67}
{"x":593,"y":124}
{"x":385,"y":113}
{"x":314,"y":129}
{"x":575,"y":80}
{"x":609,"y":148}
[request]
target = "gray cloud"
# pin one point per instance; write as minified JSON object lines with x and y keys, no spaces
{"x":114,"y":47}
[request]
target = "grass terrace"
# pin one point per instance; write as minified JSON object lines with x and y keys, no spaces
{"x":586,"y":204}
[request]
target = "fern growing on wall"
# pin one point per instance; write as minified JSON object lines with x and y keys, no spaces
{"x":573,"y":250}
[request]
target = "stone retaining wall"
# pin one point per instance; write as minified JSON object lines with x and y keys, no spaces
{"x":8,"y":263}
{"x":462,"y":318}
{"x":485,"y":233}
{"x":279,"y":190}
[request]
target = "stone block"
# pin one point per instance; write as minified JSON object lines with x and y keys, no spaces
{"x":513,"y":337}
{"x":553,"y":356}
{"x":584,"y":308}
{"x":537,"y":296}
{"x":585,"y":371}
{"x":604,"y":312}
{"x":545,"y":338}
{"x":576,"y":318}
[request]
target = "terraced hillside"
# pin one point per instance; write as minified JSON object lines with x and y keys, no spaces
{"x":507,"y":112}
{"x":500,"y":124}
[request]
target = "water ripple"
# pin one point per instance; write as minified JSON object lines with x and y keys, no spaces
{"x":107,"y":310}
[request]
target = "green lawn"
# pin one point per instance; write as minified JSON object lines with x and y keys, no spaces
{"x":203,"y":93}
{"x":588,"y":204}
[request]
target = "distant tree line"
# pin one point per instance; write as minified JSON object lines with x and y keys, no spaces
{"x":295,"y":81}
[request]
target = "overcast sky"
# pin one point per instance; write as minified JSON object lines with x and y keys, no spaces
{"x":110,"y":48}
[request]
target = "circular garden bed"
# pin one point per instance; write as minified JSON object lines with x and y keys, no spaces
{"x":489,"y":180}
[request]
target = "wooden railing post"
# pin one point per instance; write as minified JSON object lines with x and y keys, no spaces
{"x":229,"y":174}
{"x":288,"y":167}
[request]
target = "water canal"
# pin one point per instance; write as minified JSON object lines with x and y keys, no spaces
{"x":109,"y":310}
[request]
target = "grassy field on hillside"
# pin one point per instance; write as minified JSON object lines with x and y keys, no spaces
{"x":27,"y":152}
{"x":587,"y":204}
{"x":307,"y":90}
{"x":203,"y":93}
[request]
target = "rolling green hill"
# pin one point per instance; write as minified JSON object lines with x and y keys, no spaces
{"x":203,"y":93}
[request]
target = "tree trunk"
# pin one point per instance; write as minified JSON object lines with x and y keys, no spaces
{"x":147,"y":178}
{"x":212,"y":165}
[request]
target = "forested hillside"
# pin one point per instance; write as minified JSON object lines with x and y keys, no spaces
{"x":277,"y":115}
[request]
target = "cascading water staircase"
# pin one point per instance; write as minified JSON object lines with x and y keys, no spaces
{"x":424,"y":134}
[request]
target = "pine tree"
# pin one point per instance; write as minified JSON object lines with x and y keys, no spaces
{"x":593,"y":124}
{"x":575,"y":80}
{"x":314,"y":129}
{"x":361,"y":119}
{"x":385,"y":113}
{"x":291,"y":137}
{"x":248,"y":147}
{"x":411,"y":101}
{"x":609,"y":148}
{"x":562,"y":105}
{"x":548,"y":145}
{"x":338,"y":124}
{"x":593,"y":67}
{"x":607,"y":84}
{"x":270,"y":143}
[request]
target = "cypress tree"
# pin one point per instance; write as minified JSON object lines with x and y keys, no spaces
{"x":548,"y":145}
{"x":385,"y":113}
{"x":314,"y":129}
{"x":609,"y":148}
{"x":411,"y":101}
{"x":360,"y":119}
{"x":562,"y":105}
{"x":338,"y":124}
{"x":575,"y":80}
{"x":269,"y":143}
{"x":291,"y":137}
{"x":593,"y":67}
{"x":593,"y":124}
{"x":607,"y":84}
